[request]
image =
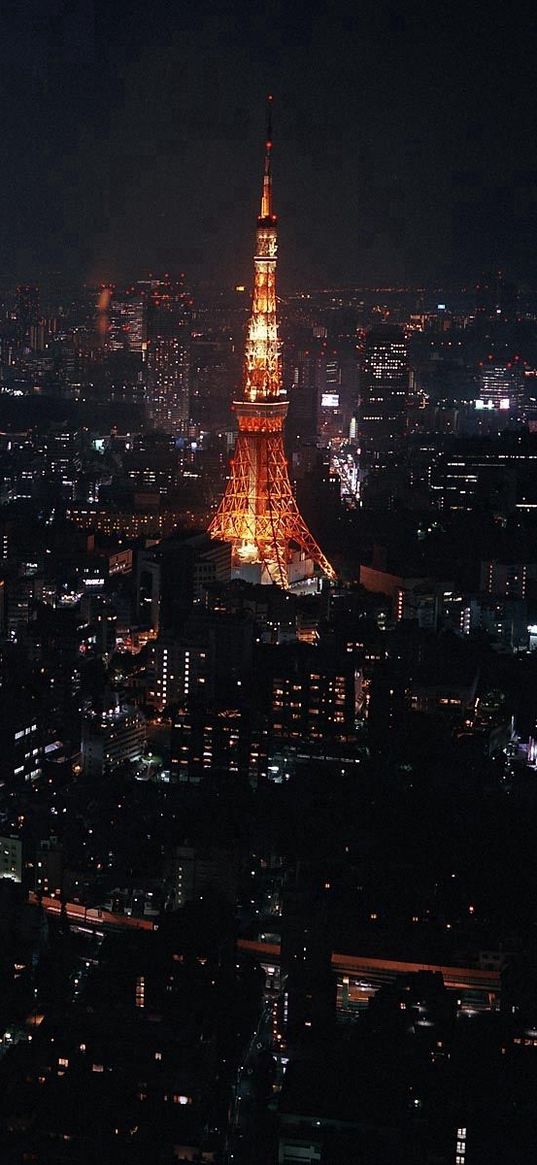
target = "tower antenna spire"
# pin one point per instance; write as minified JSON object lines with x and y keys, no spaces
{"x":268,"y":143}
{"x":266,"y":197}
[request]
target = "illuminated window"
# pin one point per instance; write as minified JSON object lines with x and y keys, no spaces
{"x":140,"y":991}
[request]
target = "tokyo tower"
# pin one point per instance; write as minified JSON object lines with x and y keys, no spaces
{"x":258,"y":513}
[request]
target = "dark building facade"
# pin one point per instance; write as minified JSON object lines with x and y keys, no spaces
{"x":383,"y":398}
{"x":27,"y":309}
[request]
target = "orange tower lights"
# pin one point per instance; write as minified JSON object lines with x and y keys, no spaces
{"x":258,"y":513}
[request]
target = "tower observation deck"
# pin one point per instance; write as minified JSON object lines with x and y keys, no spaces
{"x":258,"y":513}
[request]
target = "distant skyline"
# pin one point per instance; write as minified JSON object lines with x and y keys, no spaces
{"x":405,"y":140}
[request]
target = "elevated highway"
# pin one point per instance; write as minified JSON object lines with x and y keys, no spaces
{"x":381,"y":970}
{"x":369,"y":969}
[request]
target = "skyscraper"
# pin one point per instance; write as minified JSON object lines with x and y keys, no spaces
{"x":304,"y":377}
{"x":495,"y":297}
{"x":501,"y":386}
{"x":27,"y":309}
{"x":169,"y":315}
{"x":383,"y":397}
{"x":258,"y":513}
{"x":127,"y":320}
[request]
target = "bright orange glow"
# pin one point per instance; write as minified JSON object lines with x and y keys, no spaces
{"x":258,"y":513}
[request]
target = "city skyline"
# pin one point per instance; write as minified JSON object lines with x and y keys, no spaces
{"x":268,"y":584}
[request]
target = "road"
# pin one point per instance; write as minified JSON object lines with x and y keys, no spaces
{"x":250,"y":1122}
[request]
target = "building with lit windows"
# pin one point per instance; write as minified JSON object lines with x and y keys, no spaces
{"x":218,"y":741}
{"x":472,"y":475}
{"x":127,"y":320}
{"x":27,"y":309}
{"x":20,"y":740}
{"x":112,"y":738}
{"x":180,"y":669}
{"x":194,"y":871}
{"x":49,"y":868}
{"x":311,"y":693}
{"x":501,"y":386}
{"x":383,"y":398}
{"x":169,"y":316}
{"x":11,"y":858}
{"x":507,"y":579}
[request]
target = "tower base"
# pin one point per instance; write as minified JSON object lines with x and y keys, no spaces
{"x":258,"y":513}
{"x":299,"y":568}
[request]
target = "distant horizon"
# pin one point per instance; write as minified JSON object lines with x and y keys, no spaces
{"x":46,"y":282}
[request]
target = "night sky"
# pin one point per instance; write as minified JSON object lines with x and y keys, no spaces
{"x":405,"y":139}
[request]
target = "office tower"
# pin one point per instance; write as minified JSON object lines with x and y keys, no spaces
{"x":127,"y":320}
{"x":112,"y":738}
{"x":501,"y":386}
{"x":383,"y":397}
{"x":27,"y":309}
{"x":496,"y":297}
{"x":258,"y":513}
{"x":331,"y":381}
{"x":169,"y":314}
{"x":20,"y":737}
{"x":305,"y":380}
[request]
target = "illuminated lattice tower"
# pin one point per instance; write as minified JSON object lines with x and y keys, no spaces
{"x":258,"y":513}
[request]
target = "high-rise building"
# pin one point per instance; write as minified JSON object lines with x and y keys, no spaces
{"x":169,"y":316}
{"x":11,"y":858}
{"x":383,"y":397}
{"x":258,"y":514}
{"x":219,"y":741}
{"x":112,"y":738}
{"x":501,"y":386}
{"x":127,"y":320}
{"x":20,"y":738}
{"x":495,"y":296}
{"x":312,"y":694}
{"x":305,"y":377}
{"x":27,"y":309}
{"x":194,"y":871}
